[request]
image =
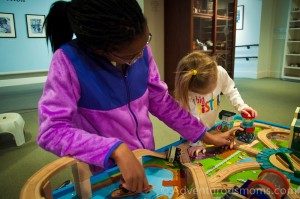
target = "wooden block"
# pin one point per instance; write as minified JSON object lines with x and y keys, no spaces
{"x":297,"y":113}
{"x":81,"y":173}
{"x":47,"y":190}
{"x":83,"y":189}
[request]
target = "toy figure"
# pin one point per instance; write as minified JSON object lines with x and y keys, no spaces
{"x":247,"y":135}
{"x":123,"y":192}
{"x":227,"y":118}
{"x":295,"y":132}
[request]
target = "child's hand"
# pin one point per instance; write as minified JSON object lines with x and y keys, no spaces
{"x":230,"y":136}
{"x":221,"y":139}
{"x":195,"y":150}
{"x":250,"y":112}
{"x":133,"y":173}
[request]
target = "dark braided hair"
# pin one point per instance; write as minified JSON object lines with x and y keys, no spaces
{"x":105,"y":25}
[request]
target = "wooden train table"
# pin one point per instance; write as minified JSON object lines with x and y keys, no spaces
{"x":209,"y":175}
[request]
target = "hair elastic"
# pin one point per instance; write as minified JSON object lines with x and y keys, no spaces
{"x":194,"y":72}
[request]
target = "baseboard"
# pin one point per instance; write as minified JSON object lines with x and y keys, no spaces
{"x":21,"y":91}
{"x":263,"y":74}
{"x":259,"y":75}
{"x":22,"y":78}
{"x":245,"y":74}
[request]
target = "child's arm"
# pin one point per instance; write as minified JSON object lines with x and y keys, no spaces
{"x":196,"y":148}
{"x":131,"y":169}
{"x":250,"y":111}
{"x":230,"y":91}
{"x":221,"y":139}
{"x":163,"y":106}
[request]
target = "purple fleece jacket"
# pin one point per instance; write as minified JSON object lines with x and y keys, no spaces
{"x":88,"y":108}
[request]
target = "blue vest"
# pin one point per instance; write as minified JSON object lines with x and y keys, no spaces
{"x":103,"y":86}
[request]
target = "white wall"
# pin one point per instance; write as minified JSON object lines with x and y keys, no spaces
{"x":272,"y":39}
{"x":265,"y":22}
{"x":265,"y":54}
{"x":250,"y":34}
{"x":154,"y":12}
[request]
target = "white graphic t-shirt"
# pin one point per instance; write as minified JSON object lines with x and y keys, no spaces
{"x":206,"y":107}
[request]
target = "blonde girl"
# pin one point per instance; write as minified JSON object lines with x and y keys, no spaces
{"x":199,"y":82}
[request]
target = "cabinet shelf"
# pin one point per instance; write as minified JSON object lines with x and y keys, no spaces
{"x":297,"y":55}
{"x":295,"y":12}
{"x":187,"y":21}
{"x":225,"y":18}
{"x":203,"y":15}
{"x":203,"y":51}
{"x":222,"y":32}
{"x":293,"y":68}
{"x":225,"y":52}
{"x":291,"y":77}
{"x":210,"y":16}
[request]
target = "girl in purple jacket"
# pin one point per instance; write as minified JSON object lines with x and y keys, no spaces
{"x":101,"y":87}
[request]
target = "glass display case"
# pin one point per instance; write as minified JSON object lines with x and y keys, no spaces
{"x":202,"y":25}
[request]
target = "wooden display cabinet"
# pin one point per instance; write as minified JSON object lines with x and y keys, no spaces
{"x":199,"y":25}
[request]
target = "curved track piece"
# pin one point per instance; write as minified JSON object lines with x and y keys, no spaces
{"x":262,"y":136}
{"x":232,"y":169}
{"x":139,"y":153}
{"x":200,"y":181}
{"x":222,"y":186}
{"x":246,"y":147}
{"x":38,"y":185}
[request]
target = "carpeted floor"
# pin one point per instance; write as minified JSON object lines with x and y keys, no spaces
{"x":274,"y":99}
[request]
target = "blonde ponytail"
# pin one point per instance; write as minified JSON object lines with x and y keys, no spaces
{"x":194,"y":71}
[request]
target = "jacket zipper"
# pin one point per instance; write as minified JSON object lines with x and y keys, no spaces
{"x":129,"y":107}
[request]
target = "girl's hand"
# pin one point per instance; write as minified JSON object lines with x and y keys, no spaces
{"x":250,"y":111}
{"x":195,"y":150}
{"x":221,"y":139}
{"x":133,"y":173}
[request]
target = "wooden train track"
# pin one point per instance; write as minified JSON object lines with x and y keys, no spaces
{"x":261,"y":137}
{"x":38,"y":186}
{"x":140,"y":153}
{"x":197,"y":173}
{"x":232,"y":169}
{"x":215,"y":182}
{"x":201,"y":182}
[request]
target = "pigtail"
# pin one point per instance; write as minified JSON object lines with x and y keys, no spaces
{"x":182,"y":85}
{"x":58,"y":29}
{"x":194,"y":71}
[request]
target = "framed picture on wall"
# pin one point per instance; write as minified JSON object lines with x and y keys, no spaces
{"x":7,"y":25}
{"x":240,"y":18}
{"x":35,"y":27}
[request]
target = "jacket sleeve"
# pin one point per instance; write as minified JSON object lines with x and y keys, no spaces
{"x":165,"y":108}
{"x":230,"y":91}
{"x":59,"y":120}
